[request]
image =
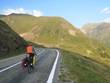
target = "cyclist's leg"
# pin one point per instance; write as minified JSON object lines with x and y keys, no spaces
{"x":31,"y":60}
{"x":30,"y":65}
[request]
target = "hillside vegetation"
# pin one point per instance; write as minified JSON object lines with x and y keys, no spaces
{"x":10,"y":42}
{"x":82,"y":69}
{"x":58,"y":33}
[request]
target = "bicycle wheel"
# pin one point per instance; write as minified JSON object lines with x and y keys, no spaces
{"x":30,"y":68}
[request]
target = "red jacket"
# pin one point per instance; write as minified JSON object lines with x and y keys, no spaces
{"x":29,"y":49}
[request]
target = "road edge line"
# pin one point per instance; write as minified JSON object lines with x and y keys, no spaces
{"x":51,"y":76}
{"x":9,"y":67}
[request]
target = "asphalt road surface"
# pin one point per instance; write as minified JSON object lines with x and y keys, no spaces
{"x":45,"y":61}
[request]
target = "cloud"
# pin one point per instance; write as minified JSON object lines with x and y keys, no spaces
{"x":22,"y":11}
{"x":106,"y":10}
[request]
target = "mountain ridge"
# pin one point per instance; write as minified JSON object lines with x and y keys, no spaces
{"x":52,"y":32}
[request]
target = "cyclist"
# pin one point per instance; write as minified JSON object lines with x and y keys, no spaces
{"x":31,"y":54}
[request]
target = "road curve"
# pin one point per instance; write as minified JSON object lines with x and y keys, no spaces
{"x":40,"y":74}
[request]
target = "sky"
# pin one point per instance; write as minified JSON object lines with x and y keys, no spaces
{"x":77,"y":12}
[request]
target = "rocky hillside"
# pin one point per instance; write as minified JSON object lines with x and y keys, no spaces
{"x":101,"y":32}
{"x":87,"y":28}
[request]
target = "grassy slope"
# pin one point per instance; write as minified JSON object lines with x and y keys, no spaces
{"x":10,"y":42}
{"x":54,"y":32}
{"x":83,"y":70}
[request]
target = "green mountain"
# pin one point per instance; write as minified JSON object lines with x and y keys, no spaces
{"x":10,"y":42}
{"x":47,"y":30}
{"x":81,"y":56}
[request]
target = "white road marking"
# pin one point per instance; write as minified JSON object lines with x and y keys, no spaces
{"x":9,"y":67}
{"x":16,"y":63}
{"x":51,"y":76}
